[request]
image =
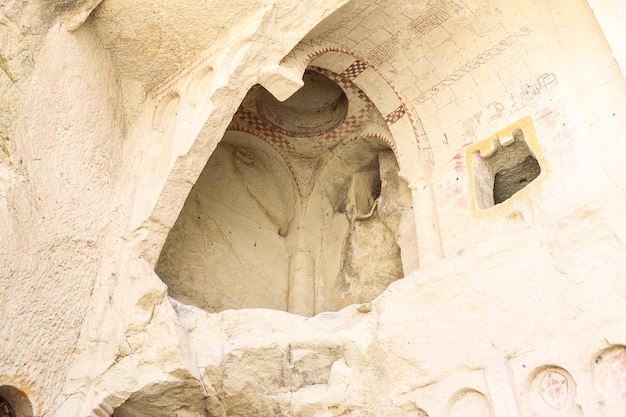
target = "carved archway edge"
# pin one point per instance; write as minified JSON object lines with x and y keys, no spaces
{"x":173,"y":119}
{"x":168,"y":152}
{"x":307,"y":50}
{"x":180,"y":108}
{"x":182,"y":87}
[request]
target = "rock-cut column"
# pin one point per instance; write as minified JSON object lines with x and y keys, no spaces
{"x":426,"y":225}
{"x":301,"y":298}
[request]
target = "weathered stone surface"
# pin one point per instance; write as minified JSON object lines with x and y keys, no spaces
{"x":330,"y":264}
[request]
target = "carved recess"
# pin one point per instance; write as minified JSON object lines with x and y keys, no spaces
{"x":291,"y":186}
{"x":609,"y":377}
{"x":552,"y":392}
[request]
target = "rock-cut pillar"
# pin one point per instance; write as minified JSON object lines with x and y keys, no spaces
{"x":426,"y":225}
{"x":301,"y":298}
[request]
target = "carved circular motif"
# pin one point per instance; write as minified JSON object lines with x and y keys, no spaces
{"x":554,"y":389}
{"x":613,"y":376}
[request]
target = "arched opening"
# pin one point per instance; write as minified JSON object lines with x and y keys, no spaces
{"x":14,"y":402}
{"x":469,"y":402}
{"x":609,"y":379}
{"x":551,"y":390}
{"x":297,"y":209}
{"x":5,"y":408}
{"x":227,"y":248}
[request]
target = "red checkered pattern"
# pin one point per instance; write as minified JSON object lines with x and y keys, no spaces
{"x":346,"y":84}
{"x":246,"y":121}
{"x":395,"y":115}
{"x":354,"y":70}
{"x":305,"y":52}
{"x":359,"y":110}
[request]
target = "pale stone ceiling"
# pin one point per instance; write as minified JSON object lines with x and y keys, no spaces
{"x":419,"y":48}
{"x":151,"y":40}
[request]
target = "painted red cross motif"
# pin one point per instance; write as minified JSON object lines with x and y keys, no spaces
{"x":614,"y":380}
{"x":553,"y":389}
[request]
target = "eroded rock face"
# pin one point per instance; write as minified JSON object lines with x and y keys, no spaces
{"x":226,"y":250}
{"x":133,"y":130}
{"x":287,"y":211}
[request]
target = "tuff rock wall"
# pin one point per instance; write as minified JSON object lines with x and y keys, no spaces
{"x":111,"y":111}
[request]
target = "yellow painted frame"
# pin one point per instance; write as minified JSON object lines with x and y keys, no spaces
{"x":486,"y":145}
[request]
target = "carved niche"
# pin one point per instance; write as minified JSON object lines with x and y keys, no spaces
{"x":297,"y":209}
